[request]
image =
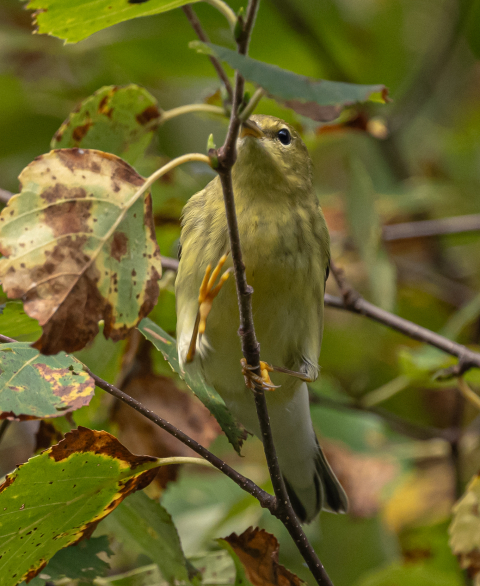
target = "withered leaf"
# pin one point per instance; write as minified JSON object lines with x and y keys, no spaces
{"x":258,"y":552}
{"x":79,"y":247}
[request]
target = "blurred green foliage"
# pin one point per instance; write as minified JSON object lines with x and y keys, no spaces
{"x":413,"y":159}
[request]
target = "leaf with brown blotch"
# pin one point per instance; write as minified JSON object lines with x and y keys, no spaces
{"x":79,"y":246}
{"x":33,"y":386}
{"x":257,"y":550}
{"x":58,"y":498}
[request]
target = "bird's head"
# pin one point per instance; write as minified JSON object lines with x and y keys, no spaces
{"x":272,"y":156}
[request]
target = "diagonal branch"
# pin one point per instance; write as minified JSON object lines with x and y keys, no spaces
{"x":202,"y":35}
{"x":266,"y":500}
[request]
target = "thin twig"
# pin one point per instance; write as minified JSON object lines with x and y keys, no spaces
{"x":426,"y":228}
{"x":266,"y":500}
{"x":226,"y":157}
{"x":202,"y":35}
{"x":354,"y":302}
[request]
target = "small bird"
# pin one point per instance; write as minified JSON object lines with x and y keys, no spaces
{"x":286,"y":252}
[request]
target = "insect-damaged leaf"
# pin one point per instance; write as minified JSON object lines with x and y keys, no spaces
{"x":317,"y":98}
{"x":79,"y":246}
{"x":59,"y":497}
{"x":35,"y":386}
{"x":117,"y":120}
{"x":78,"y":19}
{"x":207,"y":395}
{"x":257,"y":551}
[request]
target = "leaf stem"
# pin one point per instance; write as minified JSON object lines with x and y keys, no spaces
{"x":252,"y":104}
{"x":467,"y":392}
{"x":187,"y":109}
{"x":224,"y":9}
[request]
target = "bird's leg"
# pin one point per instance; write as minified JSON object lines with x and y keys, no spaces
{"x":206,"y":295}
{"x":300,"y":375}
{"x":262,"y":380}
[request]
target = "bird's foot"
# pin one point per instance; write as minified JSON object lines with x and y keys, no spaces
{"x":252,"y":380}
{"x":207,"y":293}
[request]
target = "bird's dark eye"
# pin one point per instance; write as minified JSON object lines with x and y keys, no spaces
{"x":284,"y":136}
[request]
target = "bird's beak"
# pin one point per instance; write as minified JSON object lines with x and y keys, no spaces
{"x":249,"y":127}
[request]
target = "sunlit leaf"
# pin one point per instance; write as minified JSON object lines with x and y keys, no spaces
{"x":56,"y":499}
{"x":209,"y":397}
{"x":34,"y":386}
{"x":257,"y":552}
{"x":15,"y":323}
{"x":78,"y":19}
{"x":117,"y":120}
{"x":318,"y":99}
{"x":79,"y":247}
{"x":144,"y":526}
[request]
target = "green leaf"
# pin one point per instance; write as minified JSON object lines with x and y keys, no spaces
{"x":144,"y":526}
{"x":216,"y":568}
{"x":240,"y":575}
{"x":34,"y":386}
{"x":117,"y":120}
{"x":78,"y":562}
{"x":207,"y":395}
{"x":15,"y":323}
{"x":57,"y":499}
{"x":79,"y":246}
{"x":76,"y":20}
{"x":366,"y":230}
{"x":299,"y":92}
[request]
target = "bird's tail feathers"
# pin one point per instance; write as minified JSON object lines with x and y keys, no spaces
{"x":325,"y":492}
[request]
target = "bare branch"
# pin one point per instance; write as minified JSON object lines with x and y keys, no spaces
{"x":202,"y":35}
{"x":426,"y":228}
{"x":354,"y":302}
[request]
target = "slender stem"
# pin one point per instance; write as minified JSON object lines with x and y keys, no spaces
{"x":265,"y":499}
{"x":184,"y":460}
{"x":252,"y":104}
{"x":467,"y":392}
{"x":174,"y":112}
{"x":426,"y":228}
{"x":202,"y":35}
{"x":224,"y":9}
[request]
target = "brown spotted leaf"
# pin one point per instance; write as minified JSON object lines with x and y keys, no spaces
{"x":117,"y":120}
{"x":58,"y":498}
{"x":34,"y":386}
{"x":79,"y":246}
{"x":257,"y":550}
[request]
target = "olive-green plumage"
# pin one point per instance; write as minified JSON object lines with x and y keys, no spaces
{"x":285,"y":247}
